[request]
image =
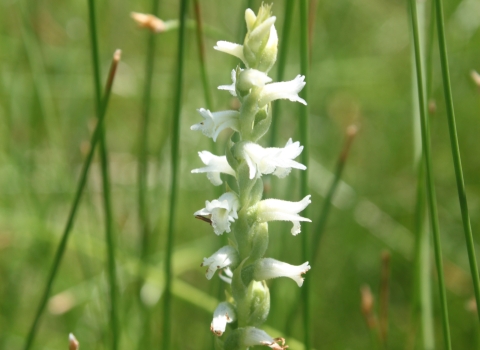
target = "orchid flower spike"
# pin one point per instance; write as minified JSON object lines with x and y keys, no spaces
{"x":269,"y":268}
{"x":222,"y":258}
{"x":221,"y":211}
{"x":278,"y":210}
{"x":214,"y":166}
{"x":215,"y":122}
{"x":223,"y":314}
{"x":276,"y":161}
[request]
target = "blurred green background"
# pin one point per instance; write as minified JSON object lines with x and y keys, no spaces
{"x":361,"y":73}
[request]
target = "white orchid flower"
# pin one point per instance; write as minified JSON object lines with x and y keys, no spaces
{"x":283,"y":90}
{"x":253,"y":336}
{"x":222,"y":258}
{"x":231,"y":88}
{"x":231,"y":48}
{"x":221,"y":211}
{"x":249,"y":78}
{"x":272,"y":160}
{"x":214,"y":166}
{"x":215,"y":122}
{"x":223,"y":314}
{"x":226,"y":275}
{"x":270,"y":268}
{"x":276,"y":209}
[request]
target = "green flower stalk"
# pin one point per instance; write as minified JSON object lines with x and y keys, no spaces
{"x":240,"y":211}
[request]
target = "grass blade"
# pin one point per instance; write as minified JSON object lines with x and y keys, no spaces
{"x":174,"y":176}
{"x":71,"y":217}
{"x":432,"y":205}
{"x":457,"y":162}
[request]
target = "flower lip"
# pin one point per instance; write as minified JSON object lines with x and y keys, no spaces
{"x":223,"y":314}
{"x":254,"y":336}
{"x":214,"y":166}
{"x":283,"y":90}
{"x":269,"y":268}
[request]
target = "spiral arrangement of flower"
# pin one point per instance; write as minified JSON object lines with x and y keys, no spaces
{"x":240,"y":211}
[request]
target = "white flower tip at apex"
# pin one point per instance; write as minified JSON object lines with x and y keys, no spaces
{"x":151,"y":22}
{"x":250,"y":18}
{"x":73,"y":343}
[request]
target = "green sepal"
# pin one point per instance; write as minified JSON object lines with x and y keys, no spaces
{"x":256,"y":193}
{"x":239,"y":289}
{"x":259,"y":296}
{"x":228,"y":153}
{"x":218,"y":343}
{"x":263,"y":120}
{"x":235,"y":340}
{"x":259,"y":241}
{"x":247,"y":274}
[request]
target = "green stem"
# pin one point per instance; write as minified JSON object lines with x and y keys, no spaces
{"x":281,"y":63}
{"x":429,"y":175}
{"x":457,"y":162}
{"x":142,"y":174}
{"x":115,"y":335}
{"x":174,"y":176}
{"x":327,"y":204}
{"x":71,"y":217}
{"x":304,"y":125}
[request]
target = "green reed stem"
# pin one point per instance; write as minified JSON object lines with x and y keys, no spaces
{"x":201,"y":55}
{"x":304,"y":124}
{"x":327,"y":204}
{"x":174,"y":176}
{"x":429,"y":175}
{"x":71,"y":217}
{"x":457,"y":162}
{"x":281,"y":63}
{"x":142,"y":175}
{"x":114,"y":324}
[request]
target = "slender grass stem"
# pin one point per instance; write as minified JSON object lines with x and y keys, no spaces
{"x":167,"y":321}
{"x":71,"y":217}
{"x":322,"y":220}
{"x":432,"y":205}
{"x":142,"y":176}
{"x":457,"y":162}
{"x":201,"y":55}
{"x":304,"y":125}
{"x":114,"y":324}
{"x":384,"y":297}
{"x":281,"y":63}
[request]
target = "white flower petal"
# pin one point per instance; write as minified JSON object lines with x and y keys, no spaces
{"x":215,"y":122}
{"x":223,"y":314}
{"x":283,"y":90}
{"x":221,"y":259}
{"x":254,"y":336}
{"x":214,"y":166}
{"x":231,"y":48}
{"x":269,"y":268}
{"x":222,"y":212}
{"x":231,"y":88}
{"x":279,"y":210}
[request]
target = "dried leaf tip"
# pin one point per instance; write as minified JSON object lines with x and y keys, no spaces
{"x":117,"y":55}
{"x":475,"y":77}
{"x":73,"y":342}
{"x":155,"y":24}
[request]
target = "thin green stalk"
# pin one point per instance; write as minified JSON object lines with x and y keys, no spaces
{"x":71,"y":217}
{"x":432,"y":205}
{"x":281,"y":63}
{"x":327,"y":204}
{"x":143,"y":210}
{"x":167,"y":321}
{"x":114,"y":324}
{"x":201,"y":55}
{"x":457,"y":162}
{"x":304,"y":125}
